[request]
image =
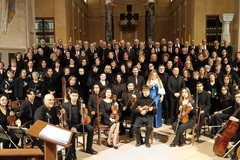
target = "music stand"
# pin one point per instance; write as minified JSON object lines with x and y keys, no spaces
{"x":20,"y":133}
{"x":4,"y":135}
{"x":52,"y":136}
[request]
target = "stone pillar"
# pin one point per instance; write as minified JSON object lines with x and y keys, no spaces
{"x":108,"y":24}
{"x":151,"y":20}
{"x":226,"y":18}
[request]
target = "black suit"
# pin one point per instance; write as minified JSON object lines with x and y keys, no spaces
{"x":27,"y":111}
{"x":140,"y":81}
{"x":204,"y":103}
{"x":175,"y":84}
{"x":73,"y":120}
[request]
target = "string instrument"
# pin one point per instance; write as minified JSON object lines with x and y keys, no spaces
{"x":224,"y":135}
{"x":133,"y":100}
{"x":145,"y":107}
{"x":183,"y":115}
{"x":63,"y":120}
{"x":63,"y":89}
{"x":114,"y":109}
{"x":85,"y":119}
{"x":11,"y":119}
{"x":238,"y":152}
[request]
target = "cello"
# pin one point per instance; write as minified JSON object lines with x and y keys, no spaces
{"x":224,"y":135}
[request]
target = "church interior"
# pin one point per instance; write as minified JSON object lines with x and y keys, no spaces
{"x":25,"y":23}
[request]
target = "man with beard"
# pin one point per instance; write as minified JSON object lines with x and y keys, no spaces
{"x":128,"y":100}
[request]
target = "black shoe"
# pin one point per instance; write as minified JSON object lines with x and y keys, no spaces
{"x":148,"y":145}
{"x":115,"y":147}
{"x":109,"y":145}
{"x":137,"y":145}
{"x":172,"y":145}
{"x":91,"y":151}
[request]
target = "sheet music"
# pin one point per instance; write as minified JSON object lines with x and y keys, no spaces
{"x":56,"y":134}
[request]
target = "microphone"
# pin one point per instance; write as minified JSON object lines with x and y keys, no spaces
{"x":48,"y":116}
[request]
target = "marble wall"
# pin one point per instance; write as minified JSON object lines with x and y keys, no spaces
{"x":21,"y":30}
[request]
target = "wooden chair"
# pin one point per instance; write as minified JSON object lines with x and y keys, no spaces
{"x":143,"y":129}
{"x":193,"y":129}
{"x":77,"y":142}
{"x":100,"y":127}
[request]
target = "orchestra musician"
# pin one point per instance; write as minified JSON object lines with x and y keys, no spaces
{"x":145,"y":109}
{"x":126,"y":104}
{"x":28,"y":108}
{"x":236,"y":137}
{"x":92,"y":102}
{"x":4,"y":113}
{"x":106,"y":105}
{"x":223,"y":110}
{"x":204,"y":104}
{"x":48,"y":113}
{"x":186,"y":117}
{"x":74,"y":122}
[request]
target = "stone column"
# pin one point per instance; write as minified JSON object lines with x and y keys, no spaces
{"x":108,"y":23}
{"x":151,"y":20}
{"x":226,"y":18}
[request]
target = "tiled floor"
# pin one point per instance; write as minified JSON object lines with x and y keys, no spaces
{"x":160,"y":149}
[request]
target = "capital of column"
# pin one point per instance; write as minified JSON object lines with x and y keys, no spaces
{"x":151,"y":1}
{"x":226,"y":17}
{"x":107,"y":1}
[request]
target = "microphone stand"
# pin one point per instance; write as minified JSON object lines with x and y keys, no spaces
{"x":9,"y":138}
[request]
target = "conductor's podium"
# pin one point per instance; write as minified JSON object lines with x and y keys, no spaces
{"x":21,"y":154}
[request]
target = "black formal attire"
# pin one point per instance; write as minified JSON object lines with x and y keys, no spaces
{"x":137,"y":81}
{"x":204,"y":103}
{"x":165,"y":105}
{"x":175,"y":84}
{"x":27,"y":111}
{"x":106,"y":111}
{"x":129,"y":103}
{"x":236,"y":137}
{"x":74,"y":120}
{"x":92,"y":106}
{"x":39,"y":89}
{"x":50,"y":116}
{"x":50,"y":84}
{"x":118,"y":89}
{"x":146,"y":119}
{"x":4,"y":124}
{"x":21,"y":86}
{"x":9,"y":85}
{"x":222,"y":104}
{"x":179,"y":138}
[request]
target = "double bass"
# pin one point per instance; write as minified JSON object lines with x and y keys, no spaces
{"x":224,"y":136}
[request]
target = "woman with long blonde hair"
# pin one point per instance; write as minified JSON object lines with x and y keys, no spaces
{"x":186,"y":117}
{"x":157,"y":93}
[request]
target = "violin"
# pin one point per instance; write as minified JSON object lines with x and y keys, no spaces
{"x":84,"y":113}
{"x":133,"y":100}
{"x":63,"y":120}
{"x":11,"y":119}
{"x":183,"y":115}
{"x":114,"y":114}
{"x":145,"y":107}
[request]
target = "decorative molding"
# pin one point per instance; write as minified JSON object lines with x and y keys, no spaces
{"x":228,"y":17}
